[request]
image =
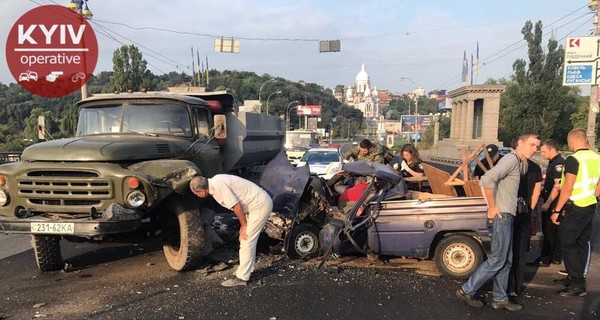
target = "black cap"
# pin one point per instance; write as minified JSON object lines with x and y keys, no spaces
{"x":492,"y":149}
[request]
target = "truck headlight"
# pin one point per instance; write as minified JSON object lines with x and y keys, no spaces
{"x":3,"y":198}
{"x":136,"y":198}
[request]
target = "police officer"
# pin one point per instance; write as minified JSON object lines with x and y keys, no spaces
{"x":575,"y":209}
{"x":492,"y":150}
{"x":551,"y":246}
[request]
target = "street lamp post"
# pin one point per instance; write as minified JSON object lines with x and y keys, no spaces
{"x":81,"y":7}
{"x":287,"y":113}
{"x":269,"y":97}
{"x":260,"y":90}
{"x":593,"y":108}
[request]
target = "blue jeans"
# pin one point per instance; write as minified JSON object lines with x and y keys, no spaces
{"x":498,"y":262}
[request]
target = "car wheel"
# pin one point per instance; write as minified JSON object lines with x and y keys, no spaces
{"x":47,"y":252}
{"x":303,"y":242}
{"x":184,"y":239}
{"x":458,"y":256}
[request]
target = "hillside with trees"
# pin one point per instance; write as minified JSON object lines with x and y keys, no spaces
{"x":19,"y":109}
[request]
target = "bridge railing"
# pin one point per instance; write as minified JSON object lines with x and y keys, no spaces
{"x":10,"y":156}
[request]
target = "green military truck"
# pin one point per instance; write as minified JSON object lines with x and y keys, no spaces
{"x":125,"y":174}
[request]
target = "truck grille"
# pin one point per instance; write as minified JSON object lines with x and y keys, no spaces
{"x":64,"y":188}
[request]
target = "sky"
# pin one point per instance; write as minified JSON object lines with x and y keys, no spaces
{"x":421,"y":41}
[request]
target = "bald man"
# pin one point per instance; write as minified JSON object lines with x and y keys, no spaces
{"x":252,"y":206}
{"x":575,"y":210}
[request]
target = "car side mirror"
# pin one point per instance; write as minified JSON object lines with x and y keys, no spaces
{"x":220,"y":126}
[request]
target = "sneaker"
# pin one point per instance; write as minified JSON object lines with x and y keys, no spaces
{"x":507,"y":305}
{"x":234,"y":282}
{"x":563,"y":272}
{"x":469,"y":299}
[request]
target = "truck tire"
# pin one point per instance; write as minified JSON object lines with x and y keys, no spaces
{"x":47,"y":252}
{"x":184,"y":241}
{"x":303,"y":242}
{"x":458,"y":256}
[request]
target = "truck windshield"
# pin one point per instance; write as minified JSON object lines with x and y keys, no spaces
{"x":159,"y":119}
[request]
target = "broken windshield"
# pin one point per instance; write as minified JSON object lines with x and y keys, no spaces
{"x":150,"y":119}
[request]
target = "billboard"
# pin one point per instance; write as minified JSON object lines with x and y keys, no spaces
{"x":422,"y":124}
{"x":309,"y":110}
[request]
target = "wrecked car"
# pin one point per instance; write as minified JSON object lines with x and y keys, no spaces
{"x":450,"y":230}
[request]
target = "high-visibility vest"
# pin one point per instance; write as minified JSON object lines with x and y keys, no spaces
{"x":584,"y":190}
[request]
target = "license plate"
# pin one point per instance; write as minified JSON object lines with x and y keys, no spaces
{"x":52,"y":227}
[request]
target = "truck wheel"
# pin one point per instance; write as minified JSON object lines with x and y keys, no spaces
{"x":47,"y":252}
{"x":184,"y":240}
{"x":303,"y":242}
{"x":458,"y":256}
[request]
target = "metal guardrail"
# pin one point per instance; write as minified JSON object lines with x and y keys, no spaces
{"x":452,"y":161}
{"x":10,"y":156}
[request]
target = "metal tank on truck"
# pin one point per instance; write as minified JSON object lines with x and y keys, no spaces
{"x":125,"y":174}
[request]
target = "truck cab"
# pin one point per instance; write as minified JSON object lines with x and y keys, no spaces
{"x":127,"y":170}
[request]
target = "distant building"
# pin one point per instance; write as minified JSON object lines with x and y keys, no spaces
{"x":385,"y":97}
{"x":338,"y":93}
{"x":361,"y":97}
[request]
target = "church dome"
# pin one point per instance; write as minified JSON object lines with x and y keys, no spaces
{"x":362,"y":76}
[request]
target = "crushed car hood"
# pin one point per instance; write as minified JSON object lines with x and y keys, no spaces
{"x":285,"y":184}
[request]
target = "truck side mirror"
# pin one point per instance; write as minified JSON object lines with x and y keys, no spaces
{"x":220,"y":126}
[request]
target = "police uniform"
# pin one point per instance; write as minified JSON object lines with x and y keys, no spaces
{"x":576,"y":221}
{"x":551,"y":246}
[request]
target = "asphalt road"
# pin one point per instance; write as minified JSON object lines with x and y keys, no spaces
{"x":135,"y":282}
{"x":121,"y":281}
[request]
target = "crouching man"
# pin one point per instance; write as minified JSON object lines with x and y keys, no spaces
{"x":252,"y":206}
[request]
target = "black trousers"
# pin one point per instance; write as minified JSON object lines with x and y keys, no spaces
{"x":521,"y":238}
{"x":575,"y":232}
{"x":551,"y":247}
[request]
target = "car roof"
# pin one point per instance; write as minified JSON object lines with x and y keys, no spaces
{"x":323,"y":149}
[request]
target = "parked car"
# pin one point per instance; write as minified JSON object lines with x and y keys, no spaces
{"x":323,"y":162}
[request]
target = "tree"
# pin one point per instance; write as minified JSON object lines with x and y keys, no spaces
{"x":129,"y":70}
{"x":535,"y":99}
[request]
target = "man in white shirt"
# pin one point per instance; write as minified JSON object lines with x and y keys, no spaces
{"x":251,"y":204}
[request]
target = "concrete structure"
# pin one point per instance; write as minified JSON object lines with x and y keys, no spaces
{"x":250,"y":106}
{"x":475,"y":117}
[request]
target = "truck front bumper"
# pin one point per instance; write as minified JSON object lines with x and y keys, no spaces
{"x":115,"y":220}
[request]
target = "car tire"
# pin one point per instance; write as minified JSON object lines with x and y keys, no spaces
{"x":303,"y":242}
{"x":184,"y":239}
{"x":458,"y":256}
{"x":47,"y":252}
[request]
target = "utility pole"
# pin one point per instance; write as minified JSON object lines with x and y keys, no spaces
{"x":593,"y":109}
{"x":417,"y":120}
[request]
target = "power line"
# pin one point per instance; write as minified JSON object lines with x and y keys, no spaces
{"x":121,"y":42}
{"x":487,"y":61}
{"x":176,"y":65}
{"x":206,"y":34}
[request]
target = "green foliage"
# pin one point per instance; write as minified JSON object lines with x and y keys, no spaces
{"x":129,"y":71}
{"x":535,"y":99}
{"x":19,"y":110}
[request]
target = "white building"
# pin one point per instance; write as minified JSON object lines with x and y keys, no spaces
{"x":362,"y":97}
